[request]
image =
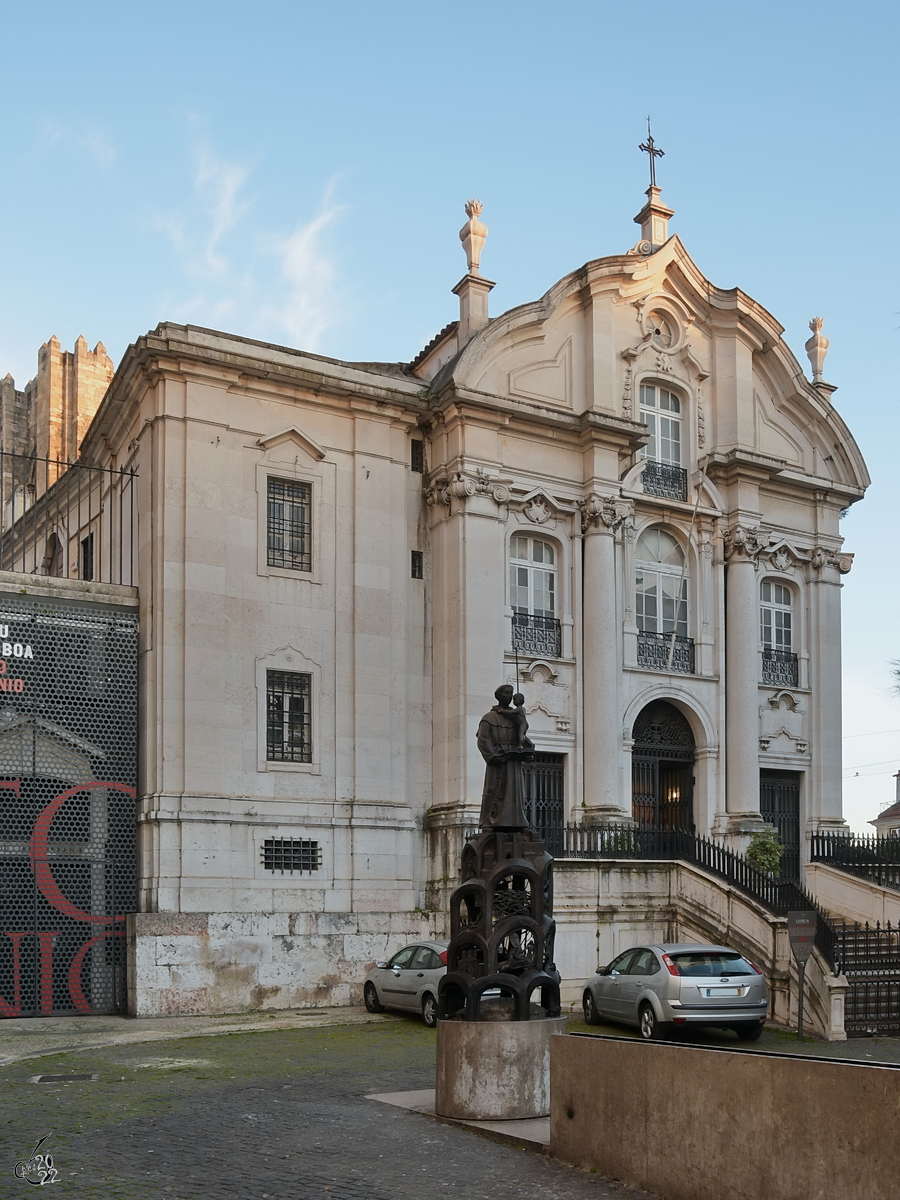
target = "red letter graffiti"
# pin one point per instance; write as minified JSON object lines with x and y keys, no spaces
{"x":52,"y":893}
{"x":45,"y":939}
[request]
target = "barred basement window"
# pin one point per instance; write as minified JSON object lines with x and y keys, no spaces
{"x":288,"y":717}
{"x":291,"y":854}
{"x":289,"y":525}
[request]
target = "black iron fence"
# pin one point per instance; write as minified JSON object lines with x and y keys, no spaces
{"x":779,"y":896}
{"x":876,"y":859}
{"x":869,"y":956}
{"x":70,"y":520}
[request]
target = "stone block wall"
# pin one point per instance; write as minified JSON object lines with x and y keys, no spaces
{"x":207,"y":963}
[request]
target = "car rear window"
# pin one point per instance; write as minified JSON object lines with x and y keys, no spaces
{"x":711,"y":964}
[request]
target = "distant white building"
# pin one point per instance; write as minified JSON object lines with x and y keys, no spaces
{"x":624,"y":497}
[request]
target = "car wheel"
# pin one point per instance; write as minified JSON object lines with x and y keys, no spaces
{"x":749,"y":1032}
{"x":651,"y":1028}
{"x":370,"y":999}
{"x":590,"y":1012}
{"x":429,"y":1011}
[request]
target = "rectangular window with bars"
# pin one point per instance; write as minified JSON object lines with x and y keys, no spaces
{"x":288,"y":717}
{"x":289,"y":524}
{"x":291,"y":854}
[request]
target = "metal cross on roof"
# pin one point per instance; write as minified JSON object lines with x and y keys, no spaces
{"x":651,"y":148}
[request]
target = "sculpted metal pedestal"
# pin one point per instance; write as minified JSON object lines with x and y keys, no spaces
{"x":500,"y":968}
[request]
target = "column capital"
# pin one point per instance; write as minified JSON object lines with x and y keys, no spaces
{"x":822,"y":556}
{"x":745,"y":543}
{"x":605,"y":513}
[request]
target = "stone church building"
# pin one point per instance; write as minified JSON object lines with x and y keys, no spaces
{"x":623,"y":497}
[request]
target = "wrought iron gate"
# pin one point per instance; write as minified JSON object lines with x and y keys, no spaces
{"x":662,"y":769}
{"x":544,"y":802}
{"x":68,"y":773}
{"x":779,"y":805}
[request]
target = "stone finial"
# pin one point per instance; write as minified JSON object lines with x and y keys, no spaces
{"x":472,"y":235}
{"x":817,"y":348}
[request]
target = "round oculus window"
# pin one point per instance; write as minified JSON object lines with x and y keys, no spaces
{"x":662,"y":329}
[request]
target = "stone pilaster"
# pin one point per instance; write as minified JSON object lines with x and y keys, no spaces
{"x":742,"y":547}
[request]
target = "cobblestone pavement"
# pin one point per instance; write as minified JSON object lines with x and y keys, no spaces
{"x":279,"y":1115}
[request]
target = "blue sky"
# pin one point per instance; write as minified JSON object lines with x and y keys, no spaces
{"x":296,"y":172}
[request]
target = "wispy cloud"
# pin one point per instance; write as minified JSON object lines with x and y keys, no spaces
{"x":229,"y":261}
{"x":309,"y":301}
{"x":218,"y":183}
{"x":84,"y":137}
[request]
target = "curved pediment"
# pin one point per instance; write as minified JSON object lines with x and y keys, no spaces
{"x":600,"y":333}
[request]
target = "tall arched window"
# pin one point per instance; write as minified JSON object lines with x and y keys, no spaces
{"x":661,"y":593}
{"x":661,"y":413}
{"x":776,"y":616}
{"x":776,"y":632}
{"x":532,"y":596}
{"x":532,"y":576}
{"x":661,"y":603}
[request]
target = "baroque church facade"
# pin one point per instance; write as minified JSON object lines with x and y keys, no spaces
{"x":623,"y":498}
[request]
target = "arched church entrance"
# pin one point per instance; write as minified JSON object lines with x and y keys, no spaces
{"x":662,"y":768}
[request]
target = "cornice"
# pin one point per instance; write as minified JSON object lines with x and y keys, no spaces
{"x":187,"y":352}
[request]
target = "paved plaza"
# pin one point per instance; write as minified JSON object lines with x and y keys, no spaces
{"x":270,"y":1113}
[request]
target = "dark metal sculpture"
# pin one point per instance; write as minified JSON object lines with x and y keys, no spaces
{"x":501,"y":922}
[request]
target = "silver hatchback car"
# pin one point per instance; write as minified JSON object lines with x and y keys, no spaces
{"x":409,"y":981}
{"x":665,"y":988}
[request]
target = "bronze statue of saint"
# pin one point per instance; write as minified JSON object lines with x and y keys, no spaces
{"x":504,"y":747}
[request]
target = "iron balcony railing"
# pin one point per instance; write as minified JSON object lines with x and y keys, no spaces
{"x":655,"y":649}
{"x":70,"y":520}
{"x":540,"y":637}
{"x":664,"y":479}
{"x":780,"y":667}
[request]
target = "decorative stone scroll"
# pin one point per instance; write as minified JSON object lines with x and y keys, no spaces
{"x":462,"y":486}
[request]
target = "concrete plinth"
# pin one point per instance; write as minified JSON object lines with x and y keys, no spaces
{"x":494,"y":1070}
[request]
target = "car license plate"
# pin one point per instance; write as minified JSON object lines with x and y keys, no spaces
{"x":713,"y":993}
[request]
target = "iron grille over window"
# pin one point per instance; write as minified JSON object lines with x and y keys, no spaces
{"x":654,"y":650}
{"x":417,"y":564}
{"x":291,"y":854}
{"x":538,"y":636}
{"x":288,"y":717}
{"x":780,"y":667}
{"x":664,"y":479}
{"x":417,"y":456}
{"x":289,"y":525}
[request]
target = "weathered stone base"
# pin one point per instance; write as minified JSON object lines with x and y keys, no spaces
{"x":202,"y":963}
{"x":494,"y":1070}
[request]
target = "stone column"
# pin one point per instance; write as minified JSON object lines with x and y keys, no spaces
{"x":604,"y":800}
{"x":824,"y":800}
{"x":742,"y":547}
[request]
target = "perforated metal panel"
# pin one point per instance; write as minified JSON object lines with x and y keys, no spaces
{"x":68,"y":774}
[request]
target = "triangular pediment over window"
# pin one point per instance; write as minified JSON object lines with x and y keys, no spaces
{"x":295,"y":436}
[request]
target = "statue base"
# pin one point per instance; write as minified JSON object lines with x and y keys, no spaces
{"x":494,"y":1070}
